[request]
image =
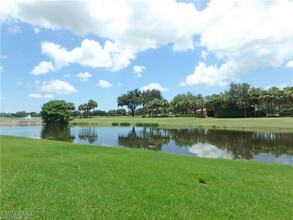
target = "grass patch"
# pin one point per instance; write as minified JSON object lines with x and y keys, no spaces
{"x":59,"y":180}
{"x":249,"y":124}
{"x":115,"y":124}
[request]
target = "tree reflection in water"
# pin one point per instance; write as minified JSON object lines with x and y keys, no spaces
{"x":57,"y":132}
{"x":148,"y":138}
{"x":241,"y":144}
{"x":88,"y":133}
{"x":224,"y":143}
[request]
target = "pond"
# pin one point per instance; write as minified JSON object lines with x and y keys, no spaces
{"x":265,"y":147}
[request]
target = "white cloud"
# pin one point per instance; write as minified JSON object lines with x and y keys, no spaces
{"x":238,"y":33}
{"x":247,"y":33}
{"x":138,"y":25}
{"x":35,"y":96}
{"x":39,"y":96}
{"x":84,"y":76}
{"x":1,"y":69}
{"x":90,"y":54}
{"x":209,"y":75}
{"x":43,"y":68}
{"x":138,"y":70}
{"x":36,"y":30}
{"x":48,"y":96}
{"x":104,"y":84}
{"x":57,"y":87}
{"x":156,"y":86}
{"x":204,"y":54}
{"x":290,"y":64}
{"x":3,"y":57}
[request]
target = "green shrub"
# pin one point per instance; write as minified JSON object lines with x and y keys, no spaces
{"x":124,"y":124}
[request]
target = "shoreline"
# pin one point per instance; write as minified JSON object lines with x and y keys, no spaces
{"x":21,"y":123}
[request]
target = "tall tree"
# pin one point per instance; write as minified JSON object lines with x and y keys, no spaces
{"x":157,"y":106}
{"x":185,"y":103}
{"x":255,"y":95}
{"x":56,"y":112}
{"x":84,"y":108}
{"x":238,"y":95}
{"x":150,"y":95}
{"x":92,"y":104}
{"x":213,"y":102}
{"x":132,"y":99}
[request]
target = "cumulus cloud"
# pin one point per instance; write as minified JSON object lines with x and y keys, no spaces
{"x":156,"y":86}
{"x":139,"y":25}
{"x":138,"y":70}
{"x":204,"y":54}
{"x":57,"y":87}
{"x":208,"y":76}
{"x":290,"y":64}
{"x":39,"y":96}
{"x":84,"y":76}
{"x":248,"y":35}
{"x":35,"y":96}
{"x":90,"y":54}
{"x":242,"y":34}
{"x":104,"y":84}
{"x":43,"y":68}
{"x":1,"y":69}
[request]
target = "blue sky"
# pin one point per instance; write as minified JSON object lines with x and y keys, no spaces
{"x":93,"y":49}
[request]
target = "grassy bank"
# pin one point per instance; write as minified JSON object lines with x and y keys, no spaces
{"x":56,"y":180}
{"x":275,"y":124}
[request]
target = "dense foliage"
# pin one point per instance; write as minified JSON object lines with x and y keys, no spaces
{"x":132,"y":99}
{"x":240,"y":100}
{"x":86,"y":108}
{"x":57,"y":112}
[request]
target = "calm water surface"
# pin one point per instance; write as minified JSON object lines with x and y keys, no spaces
{"x":265,"y":147}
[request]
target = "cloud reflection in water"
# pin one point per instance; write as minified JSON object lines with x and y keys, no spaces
{"x":209,"y":151}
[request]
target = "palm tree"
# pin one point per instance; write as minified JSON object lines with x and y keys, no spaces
{"x":214,"y":102}
{"x":255,"y":98}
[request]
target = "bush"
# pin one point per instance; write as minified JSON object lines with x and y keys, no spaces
{"x":124,"y":124}
{"x":56,"y":112}
{"x":235,"y":113}
{"x":152,"y":125}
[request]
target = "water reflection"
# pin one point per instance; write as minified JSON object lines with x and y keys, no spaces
{"x":88,"y":134}
{"x":57,"y":132}
{"x":261,"y":146}
{"x":241,"y":144}
{"x":147,"y":138}
{"x":210,"y":151}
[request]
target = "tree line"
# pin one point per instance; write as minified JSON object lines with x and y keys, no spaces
{"x":240,"y":100}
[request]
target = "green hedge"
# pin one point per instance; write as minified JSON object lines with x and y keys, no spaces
{"x":235,"y":113}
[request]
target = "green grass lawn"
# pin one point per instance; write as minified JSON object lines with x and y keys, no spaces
{"x":57,"y":180}
{"x":275,"y":124}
